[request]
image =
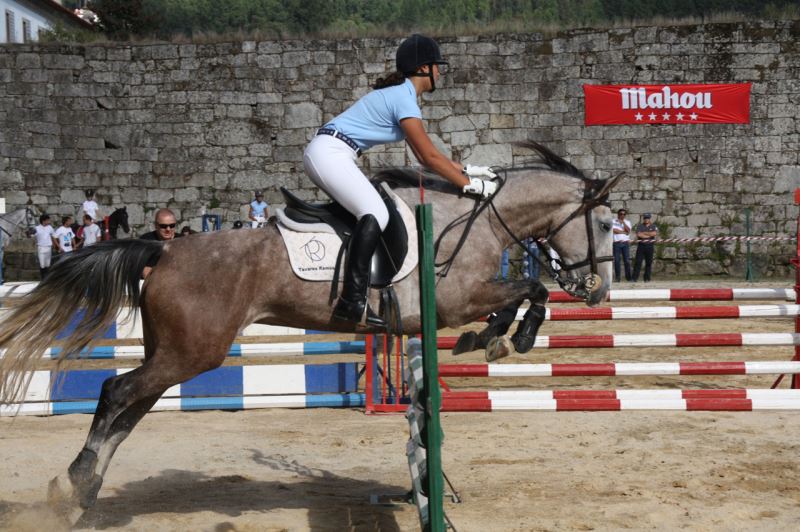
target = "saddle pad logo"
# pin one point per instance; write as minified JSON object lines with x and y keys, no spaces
{"x":315,"y":250}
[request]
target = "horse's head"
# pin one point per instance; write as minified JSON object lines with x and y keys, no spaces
{"x":119,"y":218}
{"x":584,"y":242}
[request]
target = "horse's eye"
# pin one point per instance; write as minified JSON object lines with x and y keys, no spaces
{"x":605,"y":226}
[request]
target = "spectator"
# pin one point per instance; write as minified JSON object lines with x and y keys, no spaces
{"x":645,"y":250}
{"x":504,"y":263}
{"x":622,"y":245}
{"x":2,"y":245}
{"x":531,"y":260}
{"x":90,"y":233}
{"x":259,"y":210}
{"x":45,"y":240}
{"x":186,"y":231}
{"x":64,"y":236}
{"x":164,"y":226}
{"x":164,"y":222}
{"x":90,"y":205}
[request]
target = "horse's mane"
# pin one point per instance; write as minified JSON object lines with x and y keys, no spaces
{"x":410,"y":177}
{"x":550,"y":160}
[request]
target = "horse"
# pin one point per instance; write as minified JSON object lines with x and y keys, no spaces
{"x":8,"y":226}
{"x":10,"y":221}
{"x":116,"y":220}
{"x":248,"y":274}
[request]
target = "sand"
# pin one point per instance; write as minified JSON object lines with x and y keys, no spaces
{"x":316,"y":469}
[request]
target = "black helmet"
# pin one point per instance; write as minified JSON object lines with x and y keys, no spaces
{"x":417,"y":51}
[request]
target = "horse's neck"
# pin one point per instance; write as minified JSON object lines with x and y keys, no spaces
{"x":11,"y":220}
{"x":530,"y":204}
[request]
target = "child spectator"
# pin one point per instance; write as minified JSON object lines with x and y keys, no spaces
{"x":89,"y":233}
{"x":64,"y":236}
{"x":90,"y":205}
{"x":44,"y":243}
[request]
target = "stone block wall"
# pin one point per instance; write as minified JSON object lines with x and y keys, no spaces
{"x":198,"y":127}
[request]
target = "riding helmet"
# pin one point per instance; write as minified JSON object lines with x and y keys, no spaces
{"x":417,"y":51}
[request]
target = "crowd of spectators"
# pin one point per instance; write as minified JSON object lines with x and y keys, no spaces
{"x":70,"y":236}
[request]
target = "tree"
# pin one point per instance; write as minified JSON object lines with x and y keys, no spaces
{"x":120,"y":19}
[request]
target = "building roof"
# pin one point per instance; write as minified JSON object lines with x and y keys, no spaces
{"x":59,"y":12}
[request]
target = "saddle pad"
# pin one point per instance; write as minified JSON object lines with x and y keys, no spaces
{"x":313,"y":254}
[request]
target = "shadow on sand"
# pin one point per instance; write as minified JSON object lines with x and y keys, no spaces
{"x":333,"y":502}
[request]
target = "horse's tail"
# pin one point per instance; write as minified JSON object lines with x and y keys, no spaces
{"x":88,"y":286}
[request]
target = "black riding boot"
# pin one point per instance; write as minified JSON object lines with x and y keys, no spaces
{"x":353,"y":300}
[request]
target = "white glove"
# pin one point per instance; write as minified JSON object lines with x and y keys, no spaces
{"x":480,"y":187}
{"x":479,"y":171}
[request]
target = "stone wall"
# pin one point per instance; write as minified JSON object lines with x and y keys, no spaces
{"x":199,"y":126}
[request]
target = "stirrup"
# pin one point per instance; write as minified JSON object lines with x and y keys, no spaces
{"x":354,"y":311}
{"x":374,"y":320}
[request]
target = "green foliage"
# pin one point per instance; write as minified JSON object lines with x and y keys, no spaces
{"x":59,"y":34}
{"x":124,"y":18}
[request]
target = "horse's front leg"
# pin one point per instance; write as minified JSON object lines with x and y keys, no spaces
{"x":510,"y":296}
{"x":525,"y":336}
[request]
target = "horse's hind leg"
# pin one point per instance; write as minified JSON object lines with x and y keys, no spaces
{"x":124,"y":400}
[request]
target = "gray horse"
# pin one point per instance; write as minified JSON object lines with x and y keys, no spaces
{"x":247,"y":276}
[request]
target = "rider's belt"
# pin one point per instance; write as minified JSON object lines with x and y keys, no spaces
{"x":341,"y":136}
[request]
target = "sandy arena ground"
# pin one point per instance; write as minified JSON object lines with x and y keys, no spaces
{"x":300,"y":470}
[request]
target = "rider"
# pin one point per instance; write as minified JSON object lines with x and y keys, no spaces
{"x":389,"y":113}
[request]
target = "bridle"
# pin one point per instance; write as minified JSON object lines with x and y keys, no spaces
{"x":580,"y":286}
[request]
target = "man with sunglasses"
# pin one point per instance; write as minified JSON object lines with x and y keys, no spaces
{"x":165,"y":223}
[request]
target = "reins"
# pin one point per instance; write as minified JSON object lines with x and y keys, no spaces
{"x":578,"y":286}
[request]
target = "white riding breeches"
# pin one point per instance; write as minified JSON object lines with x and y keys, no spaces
{"x":331,"y":165}
{"x":45,"y":254}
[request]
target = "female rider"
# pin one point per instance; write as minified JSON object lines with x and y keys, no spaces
{"x":390,"y":113}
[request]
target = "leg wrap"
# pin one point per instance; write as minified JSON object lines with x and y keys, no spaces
{"x":525,"y":336}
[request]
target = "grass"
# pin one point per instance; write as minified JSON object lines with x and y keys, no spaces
{"x":471,"y":29}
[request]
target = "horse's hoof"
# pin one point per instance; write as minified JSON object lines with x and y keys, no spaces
{"x":498,"y":347}
{"x":523,"y":343}
{"x":62,"y":499}
{"x":466,"y":343}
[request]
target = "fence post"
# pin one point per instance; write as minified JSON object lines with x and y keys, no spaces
{"x":432,"y":395}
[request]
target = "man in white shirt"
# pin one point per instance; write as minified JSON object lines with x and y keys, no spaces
{"x":91,"y":231}
{"x":64,"y":236}
{"x":90,"y":205}
{"x":622,"y":245}
{"x":44,"y":243}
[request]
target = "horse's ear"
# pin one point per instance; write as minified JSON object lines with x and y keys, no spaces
{"x":602,"y":187}
{"x":125,"y":208}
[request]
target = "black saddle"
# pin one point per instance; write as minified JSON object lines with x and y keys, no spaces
{"x":392,"y":249}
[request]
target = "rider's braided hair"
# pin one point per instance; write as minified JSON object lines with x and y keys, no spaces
{"x":395,"y":78}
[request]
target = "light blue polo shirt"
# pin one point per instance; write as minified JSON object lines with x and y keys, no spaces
{"x":375,"y":118}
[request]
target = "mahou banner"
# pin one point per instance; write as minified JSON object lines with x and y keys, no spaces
{"x":667,"y":104}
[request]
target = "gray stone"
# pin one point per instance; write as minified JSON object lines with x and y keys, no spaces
{"x":302,"y":115}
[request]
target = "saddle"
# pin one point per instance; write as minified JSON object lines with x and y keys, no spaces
{"x":299,"y":215}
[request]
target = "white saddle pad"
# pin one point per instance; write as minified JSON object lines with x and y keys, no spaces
{"x":313,"y":248}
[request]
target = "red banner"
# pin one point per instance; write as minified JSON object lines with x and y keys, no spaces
{"x":667,"y":104}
